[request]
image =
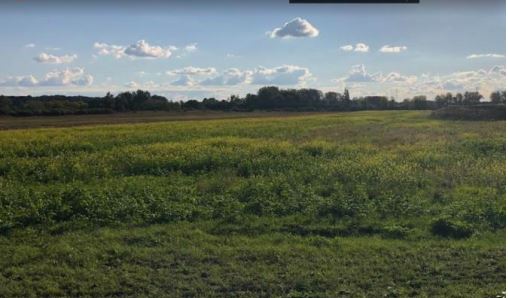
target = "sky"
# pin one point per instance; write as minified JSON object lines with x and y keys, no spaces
{"x":194,"y":49}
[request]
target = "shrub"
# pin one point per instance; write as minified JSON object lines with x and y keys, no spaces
{"x":449,"y":228}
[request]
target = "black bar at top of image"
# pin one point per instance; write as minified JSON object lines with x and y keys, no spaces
{"x":354,"y":1}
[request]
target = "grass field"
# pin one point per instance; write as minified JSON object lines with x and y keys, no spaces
{"x":363,"y":204}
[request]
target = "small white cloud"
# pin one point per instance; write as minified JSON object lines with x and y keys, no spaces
{"x":190,"y":70}
{"x":232,"y":76}
{"x":392,"y":49}
{"x":28,"y":81}
{"x":48,"y":58}
{"x":105,"y":49}
{"x":140,"y":49}
{"x":144,"y":50}
{"x":395,"y":77}
{"x":476,"y":56}
{"x":297,"y":27}
{"x":359,"y":47}
{"x":347,"y":48}
{"x":282,"y":75}
{"x":191,"y":47}
{"x":184,"y":80}
{"x":30,"y":45}
{"x":359,"y":74}
{"x":131,"y":85}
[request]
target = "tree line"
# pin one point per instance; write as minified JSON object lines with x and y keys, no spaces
{"x":267,"y":98}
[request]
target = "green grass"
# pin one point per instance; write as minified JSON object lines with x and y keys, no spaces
{"x":352,"y":204}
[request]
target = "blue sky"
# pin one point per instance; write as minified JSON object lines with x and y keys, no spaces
{"x":193,"y":49}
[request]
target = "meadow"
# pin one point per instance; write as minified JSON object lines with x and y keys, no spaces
{"x":358,"y":204}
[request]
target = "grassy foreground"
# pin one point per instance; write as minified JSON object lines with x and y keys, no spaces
{"x":351,"y":204}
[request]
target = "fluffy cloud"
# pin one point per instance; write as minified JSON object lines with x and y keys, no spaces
{"x":68,"y":77}
{"x":30,"y":45}
{"x":282,"y":75}
{"x":184,"y":80}
{"x":145,"y":85}
{"x":232,"y":76}
{"x":190,"y":70}
{"x":140,"y":49}
{"x":475,"y":56}
{"x":48,"y":58}
{"x":392,"y":49}
{"x":347,"y":48}
{"x":359,"y":74}
{"x":191,"y":47}
{"x":395,"y":77}
{"x":21,"y":81}
{"x":297,"y":27}
{"x":105,"y":49}
{"x":131,"y":85}
{"x":144,"y":50}
{"x":360,"y":47}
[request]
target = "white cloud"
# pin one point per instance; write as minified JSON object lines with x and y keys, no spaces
{"x":395,"y":77}
{"x":232,"y":76}
{"x":281,"y":75}
{"x":146,"y":85}
{"x":347,"y":48}
{"x":392,"y":49}
{"x":359,"y":47}
{"x":21,"y":81}
{"x":140,"y":49}
{"x":191,"y":47}
{"x":475,"y":56}
{"x":131,"y":85}
{"x":190,"y":70}
{"x":105,"y":49}
{"x":184,"y":80}
{"x":48,"y":58}
{"x":71,"y":76}
{"x":144,"y":50}
{"x":359,"y":74}
{"x":30,"y":45}
{"x":297,"y":27}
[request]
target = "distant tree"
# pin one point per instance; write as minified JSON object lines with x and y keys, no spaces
{"x":332,"y":98}
{"x":346,"y":95}
{"x":192,"y":105}
{"x":419,"y":102}
{"x":5,"y":105}
{"x":498,"y":97}
{"x":459,"y":99}
{"x":472,"y":98}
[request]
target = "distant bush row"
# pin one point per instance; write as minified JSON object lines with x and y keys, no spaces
{"x":267,"y":98}
{"x":472,"y":112}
